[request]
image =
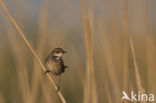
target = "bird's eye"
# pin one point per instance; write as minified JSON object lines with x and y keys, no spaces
{"x":57,"y":52}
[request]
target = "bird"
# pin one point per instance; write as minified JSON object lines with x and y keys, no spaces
{"x":55,"y":63}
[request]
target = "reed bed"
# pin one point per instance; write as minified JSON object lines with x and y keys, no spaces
{"x":90,"y":87}
{"x":32,"y":50}
{"x":110,"y":44}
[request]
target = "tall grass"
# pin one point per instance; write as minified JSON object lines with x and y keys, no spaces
{"x":128,"y":40}
{"x":32,"y":50}
{"x":110,"y":44}
{"x":126,"y":47}
{"x":90,"y":86}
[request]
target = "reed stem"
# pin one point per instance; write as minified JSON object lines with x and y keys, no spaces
{"x":32,"y":50}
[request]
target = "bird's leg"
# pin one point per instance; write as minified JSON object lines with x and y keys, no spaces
{"x":47,"y":71}
{"x":65,"y":66}
{"x":58,"y":83}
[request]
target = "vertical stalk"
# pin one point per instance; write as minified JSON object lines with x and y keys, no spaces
{"x":88,"y":32}
{"x":129,"y":41}
{"x":125,"y":47}
{"x":31,"y":49}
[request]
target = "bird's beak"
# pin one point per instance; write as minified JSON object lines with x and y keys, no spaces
{"x":64,"y":51}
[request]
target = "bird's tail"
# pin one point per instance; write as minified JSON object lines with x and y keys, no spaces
{"x":65,"y":66}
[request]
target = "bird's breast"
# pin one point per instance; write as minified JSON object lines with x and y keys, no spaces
{"x":54,"y":67}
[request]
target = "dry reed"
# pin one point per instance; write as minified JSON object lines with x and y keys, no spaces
{"x":149,"y":46}
{"x":1,"y":98}
{"x":125,"y":47}
{"x":128,"y":40}
{"x":124,"y":52}
{"x":40,"y":47}
{"x":90,"y":87}
{"x":32,"y":50}
{"x":138,"y":78}
{"x":108,"y":94}
{"x":105,"y":48}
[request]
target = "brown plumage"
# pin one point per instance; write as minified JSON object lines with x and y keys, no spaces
{"x":54,"y":62}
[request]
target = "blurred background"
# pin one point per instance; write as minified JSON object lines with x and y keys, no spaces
{"x":58,"y":23}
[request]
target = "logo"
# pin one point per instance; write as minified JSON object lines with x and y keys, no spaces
{"x":141,"y":97}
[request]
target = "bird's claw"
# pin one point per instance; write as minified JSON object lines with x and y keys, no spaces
{"x":47,"y":71}
{"x":65,"y":66}
{"x":58,"y":88}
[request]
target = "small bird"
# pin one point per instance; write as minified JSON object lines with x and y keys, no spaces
{"x":55,"y":64}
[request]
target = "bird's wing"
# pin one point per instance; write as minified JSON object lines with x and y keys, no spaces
{"x":62,"y":66}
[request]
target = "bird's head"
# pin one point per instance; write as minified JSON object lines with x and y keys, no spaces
{"x":58,"y":52}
